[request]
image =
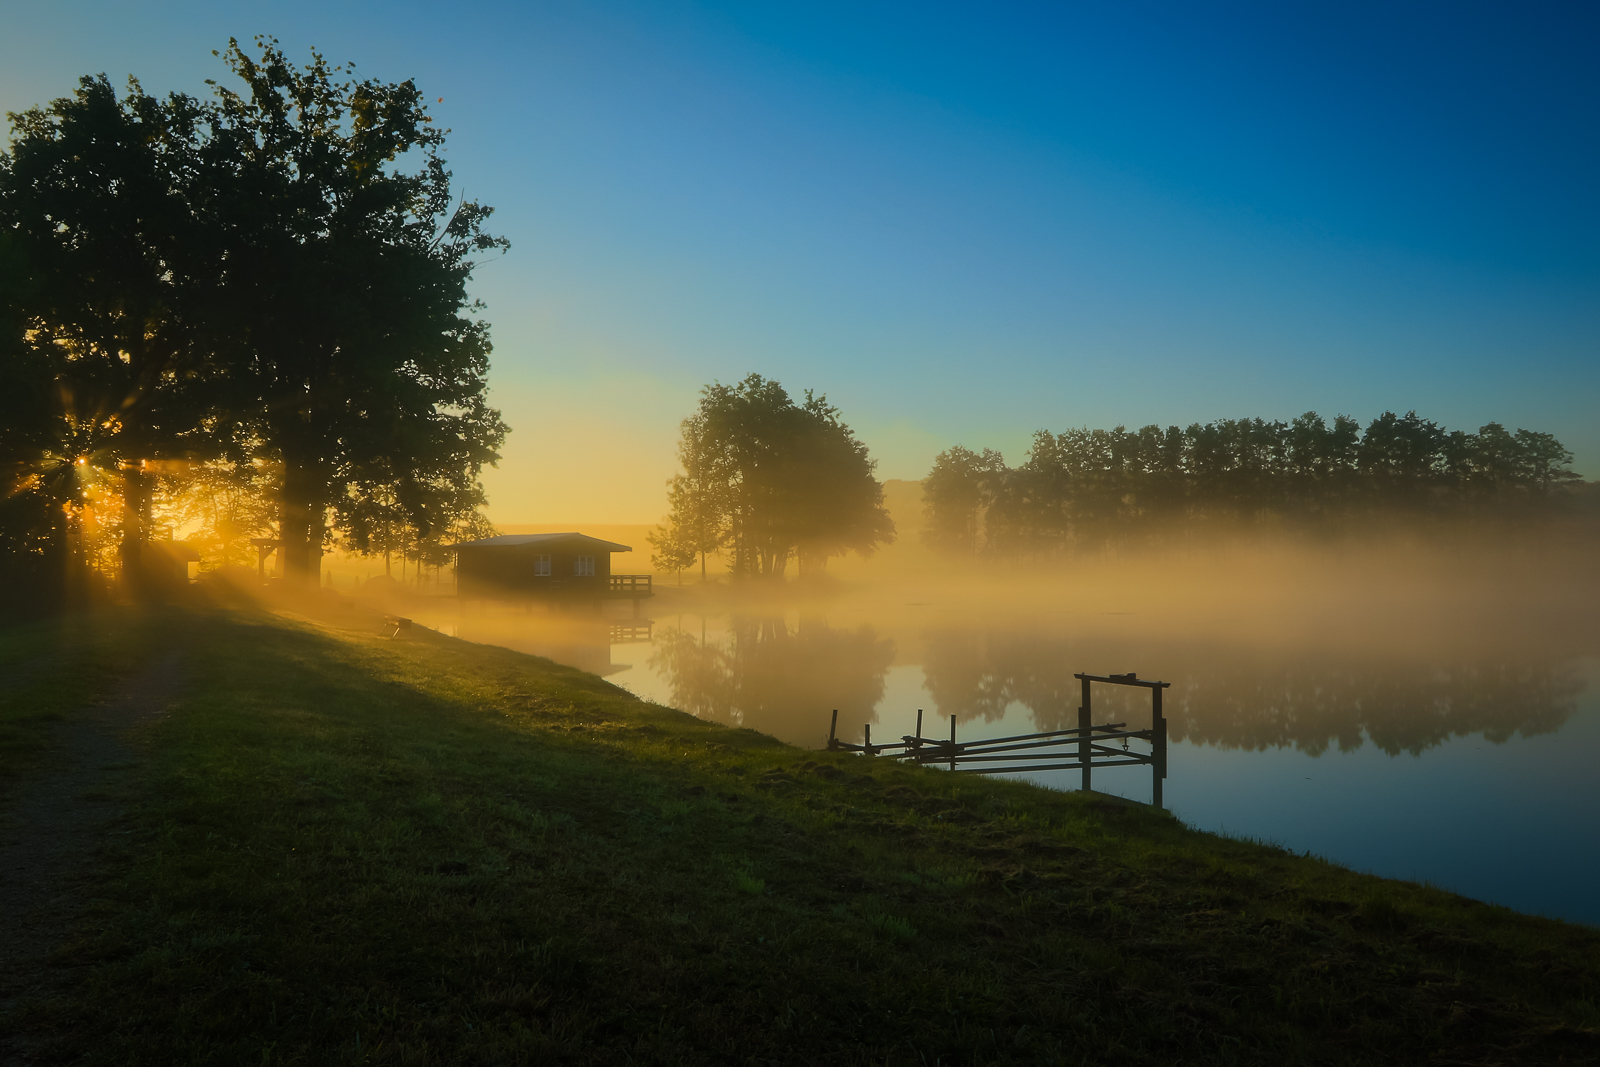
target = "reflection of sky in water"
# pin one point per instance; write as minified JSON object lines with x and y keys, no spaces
{"x":1490,"y":791}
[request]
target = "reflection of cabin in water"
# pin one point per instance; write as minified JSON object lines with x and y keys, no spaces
{"x":563,"y":566}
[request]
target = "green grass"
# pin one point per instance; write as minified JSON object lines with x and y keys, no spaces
{"x":50,"y":668}
{"x":354,"y":850}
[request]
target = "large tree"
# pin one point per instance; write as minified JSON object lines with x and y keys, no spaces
{"x":958,"y":493}
{"x":698,"y":499}
{"x":771,"y":480}
{"x":102,"y":248}
{"x":344,"y":259}
{"x":276,"y":277}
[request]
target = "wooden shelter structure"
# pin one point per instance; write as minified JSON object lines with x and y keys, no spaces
{"x":557,"y":566}
{"x":264,"y":546}
{"x":171,"y":563}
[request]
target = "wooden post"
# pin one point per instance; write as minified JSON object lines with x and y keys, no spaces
{"x":952,"y":742}
{"x":833,"y":727}
{"x":868,"y":737}
{"x":1085,"y":750}
{"x":1158,"y":746}
{"x":919,"y":722}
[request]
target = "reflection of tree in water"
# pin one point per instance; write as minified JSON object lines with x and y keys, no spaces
{"x":783,"y":682}
{"x":1258,"y":700}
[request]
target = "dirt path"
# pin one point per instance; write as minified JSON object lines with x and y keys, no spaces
{"x":53,"y":828}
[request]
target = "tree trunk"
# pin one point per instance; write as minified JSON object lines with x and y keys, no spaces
{"x":135,"y":530}
{"x":300,"y":524}
{"x":316,"y":530}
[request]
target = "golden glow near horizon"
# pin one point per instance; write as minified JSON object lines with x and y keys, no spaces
{"x":568,"y":462}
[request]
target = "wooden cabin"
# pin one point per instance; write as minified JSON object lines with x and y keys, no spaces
{"x":556,"y":565}
{"x":170,"y":563}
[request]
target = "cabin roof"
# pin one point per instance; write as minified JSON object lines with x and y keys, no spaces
{"x":517,"y":540}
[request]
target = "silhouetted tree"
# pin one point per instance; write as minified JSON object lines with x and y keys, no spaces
{"x":345,"y":295}
{"x":105,"y":265}
{"x":1403,"y":459}
{"x":1086,"y":489}
{"x":698,"y":497}
{"x":770,"y":480}
{"x":277,"y":276}
{"x":957,"y":494}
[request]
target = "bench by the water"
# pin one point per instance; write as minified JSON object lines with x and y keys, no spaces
{"x":1084,"y":747}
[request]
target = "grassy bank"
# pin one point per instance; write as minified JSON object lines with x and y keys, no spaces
{"x":347,"y":849}
{"x":48,"y":669}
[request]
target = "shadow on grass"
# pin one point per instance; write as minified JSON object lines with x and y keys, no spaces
{"x":356,"y":850}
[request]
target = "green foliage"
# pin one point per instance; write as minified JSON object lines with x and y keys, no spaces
{"x":226,"y":503}
{"x":103,"y":353}
{"x":746,"y":882}
{"x":345,"y":298}
{"x":268,"y":288}
{"x":958,"y":494}
{"x":771,"y":480}
{"x":1086,"y":489}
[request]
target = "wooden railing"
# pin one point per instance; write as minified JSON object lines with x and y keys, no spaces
{"x":630,"y":585}
{"x":630,"y":633}
{"x":1081,"y":748}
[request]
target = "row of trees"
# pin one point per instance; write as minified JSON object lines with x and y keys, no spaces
{"x":1084,"y":489}
{"x":259,"y":297}
{"x":767,"y":480}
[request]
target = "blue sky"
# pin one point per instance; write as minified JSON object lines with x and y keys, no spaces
{"x":967,"y":222}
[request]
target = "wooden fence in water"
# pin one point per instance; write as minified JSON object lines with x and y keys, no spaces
{"x":1083,"y":747}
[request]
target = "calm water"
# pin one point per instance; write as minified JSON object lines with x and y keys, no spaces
{"x":1468,"y":761}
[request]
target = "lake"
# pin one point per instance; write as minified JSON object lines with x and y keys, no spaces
{"x":1456,"y":747}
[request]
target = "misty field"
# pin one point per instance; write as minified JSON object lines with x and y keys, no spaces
{"x":345,"y":849}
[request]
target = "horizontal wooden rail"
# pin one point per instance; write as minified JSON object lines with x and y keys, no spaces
{"x":1082,"y":747}
{"x":1031,"y":767}
{"x":631,"y":584}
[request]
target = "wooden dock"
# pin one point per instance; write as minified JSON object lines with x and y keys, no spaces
{"x":1083,"y":747}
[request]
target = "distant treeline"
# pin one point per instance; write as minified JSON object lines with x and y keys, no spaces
{"x":1083,"y":489}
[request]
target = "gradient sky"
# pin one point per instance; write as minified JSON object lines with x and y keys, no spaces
{"x":967,"y":222}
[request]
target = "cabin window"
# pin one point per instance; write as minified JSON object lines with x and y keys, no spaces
{"x":541,"y":566}
{"x":584,"y":568}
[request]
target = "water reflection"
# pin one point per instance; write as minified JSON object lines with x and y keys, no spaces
{"x":584,"y":643}
{"x":1266,"y":690}
{"x":783,"y":677}
{"x":781,"y":680}
{"x":1309,"y":700}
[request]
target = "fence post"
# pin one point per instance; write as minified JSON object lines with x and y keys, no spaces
{"x":833,"y":727}
{"x":1084,"y":749}
{"x":952,"y":742}
{"x":868,"y":738}
{"x":1158,"y":746}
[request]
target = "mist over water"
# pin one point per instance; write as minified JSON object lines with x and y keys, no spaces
{"x":1418,"y":717}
